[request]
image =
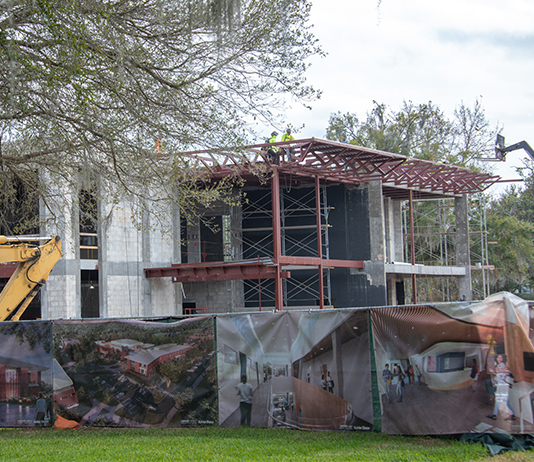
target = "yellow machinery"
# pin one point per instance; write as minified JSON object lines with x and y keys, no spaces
{"x":35,"y":264}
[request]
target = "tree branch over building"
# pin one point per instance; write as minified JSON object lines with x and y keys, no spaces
{"x":91,"y":86}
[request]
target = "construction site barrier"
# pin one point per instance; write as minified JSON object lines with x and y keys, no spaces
{"x":425,"y":369}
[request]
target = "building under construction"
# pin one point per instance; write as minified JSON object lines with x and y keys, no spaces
{"x":324,"y":224}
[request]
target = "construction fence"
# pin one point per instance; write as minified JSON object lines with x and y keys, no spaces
{"x":440,"y":369}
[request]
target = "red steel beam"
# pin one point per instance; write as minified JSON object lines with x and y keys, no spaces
{"x":315,"y":261}
{"x":277,"y":239}
{"x":222,"y":272}
{"x":319,"y":241}
{"x":244,"y":270}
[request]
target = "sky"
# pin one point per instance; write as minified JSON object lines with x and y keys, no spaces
{"x":447,"y":52}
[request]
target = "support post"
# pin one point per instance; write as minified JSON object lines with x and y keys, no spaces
{"x":277,"y":238}
{"x":319,"y":241}
{"x":412,"y":245}
{"x":259,"y":288}
{"x":463,"y":257}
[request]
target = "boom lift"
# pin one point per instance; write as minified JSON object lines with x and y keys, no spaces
{"x":35,"y":264}
{"x":501,"y":149}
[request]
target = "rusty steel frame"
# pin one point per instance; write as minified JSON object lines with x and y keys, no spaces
{"x":218,"y":271}
{"x":345,"y":163}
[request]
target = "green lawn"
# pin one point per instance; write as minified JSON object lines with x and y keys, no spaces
{"x":154,"y":445}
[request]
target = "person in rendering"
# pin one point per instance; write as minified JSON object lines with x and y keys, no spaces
{"x":40,"y":410}
{"x":386,"y":375}
{"x":398,"y":378}
{"x":418,"y":373}
{"x":50,"y":408}
{"x":503,"y":380}
{"x":244,"y":390}
{"x":474,"y":374}
{"x":411,"y":375}
{"x":323,"y":382}
{"x":330,"y":383}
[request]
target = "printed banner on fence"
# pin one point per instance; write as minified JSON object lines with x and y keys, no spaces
{"x":295,"y":369}
{"x":455,"y":368}
{"x":26,"y":379}
{"x":136,"y":373}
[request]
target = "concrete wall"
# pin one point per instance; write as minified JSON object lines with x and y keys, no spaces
{"x":60,"y":297}
{"x":217,"y":296}
{"x":124,"y":251}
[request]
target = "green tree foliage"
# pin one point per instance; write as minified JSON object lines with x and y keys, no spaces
{"x":117,"y":88}
{"x":513,"y":255}
{"x":518,"y":201}
{"x":184,"y":398}
{"x":419,"y":130}
{"x":174,"y":369}
{"x":511,"y":226}
{"x":32,"y":334}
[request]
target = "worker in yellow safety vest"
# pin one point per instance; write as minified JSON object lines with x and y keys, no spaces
{"x":290,"y":153}
{"x":273,"y":150}
{"x":287,"y":136}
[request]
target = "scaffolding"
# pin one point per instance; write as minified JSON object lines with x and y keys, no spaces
{"x":298,"y":230}
{"x":435,"y":244}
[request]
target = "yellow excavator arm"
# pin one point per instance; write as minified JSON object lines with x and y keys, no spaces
{"x":35,"y":264}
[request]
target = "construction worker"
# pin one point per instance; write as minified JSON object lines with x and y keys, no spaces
{"x":287,"y":136}
{"x":290,"y":153}
{"x":273,"y":150}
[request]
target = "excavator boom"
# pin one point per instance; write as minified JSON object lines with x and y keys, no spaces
{"x":35,"y":264}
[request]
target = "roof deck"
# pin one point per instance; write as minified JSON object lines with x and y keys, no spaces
{"x":334,"y":162}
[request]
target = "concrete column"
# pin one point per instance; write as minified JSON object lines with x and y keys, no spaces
{"x":60,"y":297}
{"x":398,"y":231}
{"x":462,"y":246}
{"x":389,"y":229}
{"x":375,"y":268}
{"x":392,"y":290}
{"x":194,"y":251}
{"x":160,"y":249}
{"x":120,"y":257}
{"x":124,"y":251}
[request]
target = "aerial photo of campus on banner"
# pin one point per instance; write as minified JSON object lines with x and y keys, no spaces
{"x":135,"y":373}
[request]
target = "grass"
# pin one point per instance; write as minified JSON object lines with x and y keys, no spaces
{"x":224,"y":444}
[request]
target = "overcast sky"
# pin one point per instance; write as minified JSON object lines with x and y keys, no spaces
{"x":420,"y":50}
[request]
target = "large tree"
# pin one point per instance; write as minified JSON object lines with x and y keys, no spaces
{"x":117,"y":88}
{"x":511,"y":229}
{"x":420,"y":130}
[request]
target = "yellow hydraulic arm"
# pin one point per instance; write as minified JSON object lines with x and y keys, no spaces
{"x":35,"y":264}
